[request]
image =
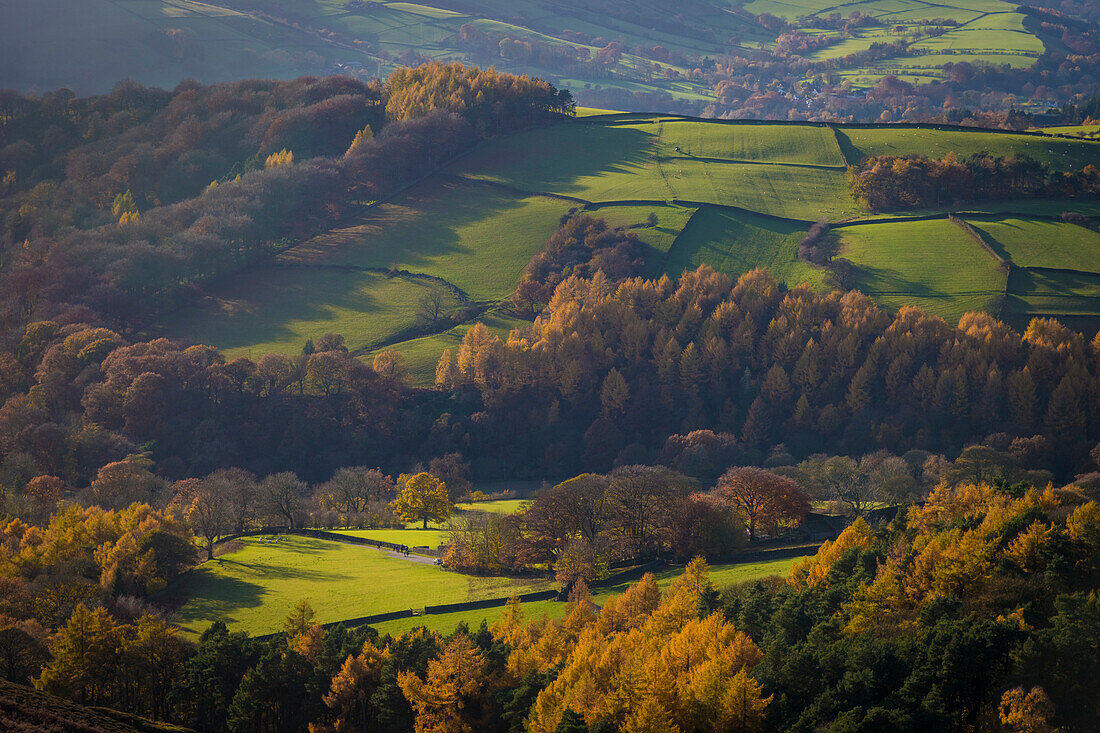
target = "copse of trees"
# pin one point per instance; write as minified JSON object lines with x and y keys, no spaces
{"x":889,"y":183}
{"x":611,"y":369}
{"x":582,"y":246}
{"x":491,"y":101}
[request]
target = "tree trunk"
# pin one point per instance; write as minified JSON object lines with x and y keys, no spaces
{"x":425,"y":521}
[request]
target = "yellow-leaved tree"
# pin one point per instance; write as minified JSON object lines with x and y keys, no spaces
{"x":451,"y":697}
{"x":647,"y":663}
{"x":422,"y":497}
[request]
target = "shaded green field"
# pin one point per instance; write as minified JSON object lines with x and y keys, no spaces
{"x":1059,"y":154}
{"x":274,"y":309}
{"x":252,"y":589}
{"x":1041,"y":243}
{"x":721,"y":575}
{"x":932,"y":264}
{"x":734,"y":243}
{"x":476,"y":237}
{"x":432,"y":538}
{"x":1053,"y":291}
{"x":592,"y":162}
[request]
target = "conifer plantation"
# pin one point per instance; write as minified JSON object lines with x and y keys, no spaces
{"x":636,"y":462}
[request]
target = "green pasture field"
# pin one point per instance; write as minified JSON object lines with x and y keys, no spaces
{"x":275,"y":309}
{"x":1043,"y":243}
{"x":422,"y":354}
{"x":591,"y":162}
{"x":734,"y":243}
{"x":932,"y":264}
{"x":431,"y":538}
{"x":803,"y":144}
{"x":722,"y":575}
{"x":618,"y":162}
{"x":494,"y":506}
{"x":477,"y":237}
{"x":1075,"y":130}
{"x":1059,"y":154}
{"x":476,"y":225}
{"x":806,"y":194}
{"x":1047,"y":291}
{"x":253,"y":588}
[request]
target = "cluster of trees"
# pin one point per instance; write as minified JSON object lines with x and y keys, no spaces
{"x":610,"y":369}
{"x":582,"y":246}
{"x":115,"y":205}
{"x":491,"y":101}
{"x":584,"y":526}
{"x":889,"y":183}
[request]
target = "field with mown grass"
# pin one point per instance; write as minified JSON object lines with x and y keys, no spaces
{"x":932,"y":264}
{"x":253,"y":587}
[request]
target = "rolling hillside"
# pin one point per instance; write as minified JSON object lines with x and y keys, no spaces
{"x":730,"y":195}
{"x":88,"y":47}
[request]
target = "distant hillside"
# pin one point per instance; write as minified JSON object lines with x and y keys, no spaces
{"x":807,"y":59}
{"x":25,"y":710}
{"x":731,"y":195}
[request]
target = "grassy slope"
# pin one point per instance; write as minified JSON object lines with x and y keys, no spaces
{"x":275,"y":309}
{"x":734,"y":243}
{"x":758,"y":142}
{"x":933,"y":264}
{"x":90,"y":45}
{"x":24,"y":709}
{"x":1060,"y":154}
{"x":477,"y":237}
{"x":253,"y":588}
{"x":1041,"y":243}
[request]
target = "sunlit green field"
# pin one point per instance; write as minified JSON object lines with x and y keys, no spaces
{"x":431,"y":538}
{"x":253,"y":588}
{"x":933,"y":264}
{"x":275,"y":309}
{"x":494,"y":506}
{"x":1060,"y":154}
{"x":478,"y":238}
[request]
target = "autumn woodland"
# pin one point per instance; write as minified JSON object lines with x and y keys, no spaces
{"x":734,"y":494}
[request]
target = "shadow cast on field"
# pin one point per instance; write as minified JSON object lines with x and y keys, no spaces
{"x":880,"y":281}
{"x":418,"y":230}
{"x":555,"y":159}
{"x":217,"y":598}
